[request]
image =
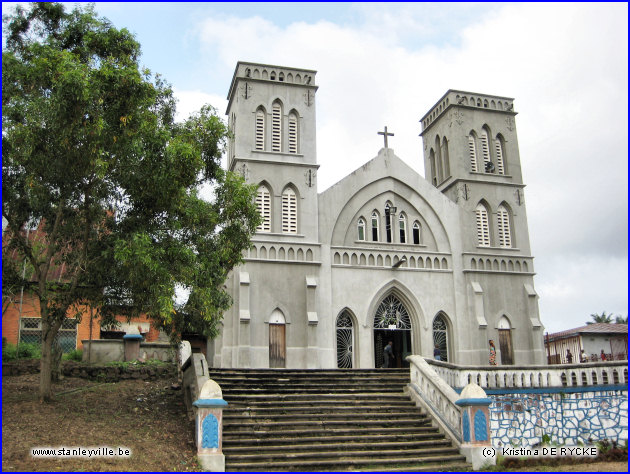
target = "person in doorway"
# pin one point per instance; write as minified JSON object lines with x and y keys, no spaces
{"x":583,"y":356}
{"x":437,"y":353}
{"x":493,"y":353}
{"x":569,"y":357}
{"x":388,"y":355}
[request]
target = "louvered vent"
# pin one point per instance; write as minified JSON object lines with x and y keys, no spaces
{"x":293,"y":133}
{"x":276,"y":128}
{"x":485,"y":147}
{"x":260,"y":130}
{"x":289,"y":212}
{"x":483,"y":228}
{"x":503,"y":226}
{"x":472,"y":150}
{"x":263,"y":203}
{"x":498,"y":148}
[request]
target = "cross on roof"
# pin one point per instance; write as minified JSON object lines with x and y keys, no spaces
{"x":385,"y":135}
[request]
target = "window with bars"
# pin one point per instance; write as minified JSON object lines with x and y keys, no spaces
{"x":293,"y":133}
{"x":499,"y":153}
{"x":402,"y":225}
{"x":263,"y":203}
{"x":260,"y":130}
{"x":289,"y":211}
{"x":439,"y":166}
{"x":483,"y":226}
{"x":388,"y":223}
{"x":472,"y":151}
{"x":361,"y":229}
{"x":445,"y":158}
{"x":276,"y":127}
{"x":434,"y":179}
{"x":504,"y":227}
{"x":374,"y":226}
{"x":416,"y":233}
{"x":440,"y":336}
{"x":31,"y":332}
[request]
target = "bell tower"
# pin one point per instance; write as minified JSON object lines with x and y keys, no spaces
{"x":471,"y":154}
{"x":271,"y":115}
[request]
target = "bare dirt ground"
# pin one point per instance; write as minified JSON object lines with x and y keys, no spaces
{"x":147,"y":417}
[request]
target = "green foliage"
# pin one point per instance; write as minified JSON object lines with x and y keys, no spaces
{"x":92,"y":155}
{"x":600,"y":318}
{"x":621,"y":319}
{"x":27,"y":351}
{"x":76,"y":355}
{"x":546,"y":439}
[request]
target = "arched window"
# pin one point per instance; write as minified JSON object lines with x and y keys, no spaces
{"x":392,"y":314}
{"x":388,"y":222}
{"x":483,"y":226}
{"x":485,"y":148}
{"x":289,"y":211}
{"x":505,"y":341}
{"x":472,"y":151}
{"x":345,"y":341}
{"x":445,"y":158}
{"x":438,"y":160}
{"x":374,"y":226}
{"x":402,"y":225}
{"x":499,"y":151}
{"x":440,"y":336}
{"x":263,"y":203}
{"x":276,"y":127}
{"x":434,"y":180}
{"x":504,"y":227}
{"x":416,"y":233}
{"x":361,"y":229}
{"x":260,"y":129}
{"x":293,"y":133}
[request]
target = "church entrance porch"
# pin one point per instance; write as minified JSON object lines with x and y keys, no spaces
{"x":392,"y":323}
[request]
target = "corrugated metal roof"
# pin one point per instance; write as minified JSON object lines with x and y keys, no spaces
{"x":595,"y":328}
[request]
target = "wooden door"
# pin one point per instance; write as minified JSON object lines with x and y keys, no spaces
{"x":277,"y":345}
{"x":505,"y":345}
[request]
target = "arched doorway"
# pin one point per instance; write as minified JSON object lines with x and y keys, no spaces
{"x":505,"y":341}
{"x":440,"y":336}
{"x":345,"y":341}
{"x":277,"y":340}
{"x":392,"y":323}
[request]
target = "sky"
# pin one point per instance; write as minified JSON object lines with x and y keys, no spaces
{"x":381,"y":64}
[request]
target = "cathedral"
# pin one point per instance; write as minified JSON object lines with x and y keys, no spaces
{"x":440,"y":264}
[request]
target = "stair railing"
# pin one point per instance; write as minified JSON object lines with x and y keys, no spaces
{"x":436,"y":396}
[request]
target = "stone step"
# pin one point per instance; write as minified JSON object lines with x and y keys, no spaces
{"x":307,"y":402}
{"x":344,"y":463}
{"x":323,"y":409}
{"x":348,"y":417}
{"x":281,"y":398}
{"x":267,"y":432}
{"x":262,"y":438}
{"x":308,"y":424}
{"x":352,"y":444}
{"x":373,"y":451}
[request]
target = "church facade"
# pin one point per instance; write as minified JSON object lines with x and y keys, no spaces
{"x":384,"y":254}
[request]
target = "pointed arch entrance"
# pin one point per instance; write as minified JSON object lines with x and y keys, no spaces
{"x":392,"y":323}
{"x":277,"y":340}
{"x":345,"y":341}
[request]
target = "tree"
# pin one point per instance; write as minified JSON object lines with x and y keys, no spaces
{"x":621,"y":319}
{"x":92,"y":157}
{"x":601,"y":318}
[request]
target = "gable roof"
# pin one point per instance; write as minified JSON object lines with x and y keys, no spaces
{"x":595,"y":328}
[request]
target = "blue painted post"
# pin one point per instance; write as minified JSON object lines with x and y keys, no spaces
{"x":209,"y":427}
{"x":132,"y":346}
{"x":475,"y":426}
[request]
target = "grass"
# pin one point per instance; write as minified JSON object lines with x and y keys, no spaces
{"x":146,"y":416}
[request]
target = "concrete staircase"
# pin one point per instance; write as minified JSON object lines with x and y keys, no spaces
{"x":328,"y":420}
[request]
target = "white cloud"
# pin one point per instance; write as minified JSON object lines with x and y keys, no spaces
{"x":189,"y":102}
{"x":566,"y":66}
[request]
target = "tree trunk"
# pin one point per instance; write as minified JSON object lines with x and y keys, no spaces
{"x":45,"y":373}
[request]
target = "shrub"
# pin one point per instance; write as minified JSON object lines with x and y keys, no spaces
{"x":76,"y":354}
{"x":27,"y":351}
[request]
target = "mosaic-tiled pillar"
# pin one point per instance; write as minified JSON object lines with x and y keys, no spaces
{"x":475,"y":426}
{"x":209,"y":427}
